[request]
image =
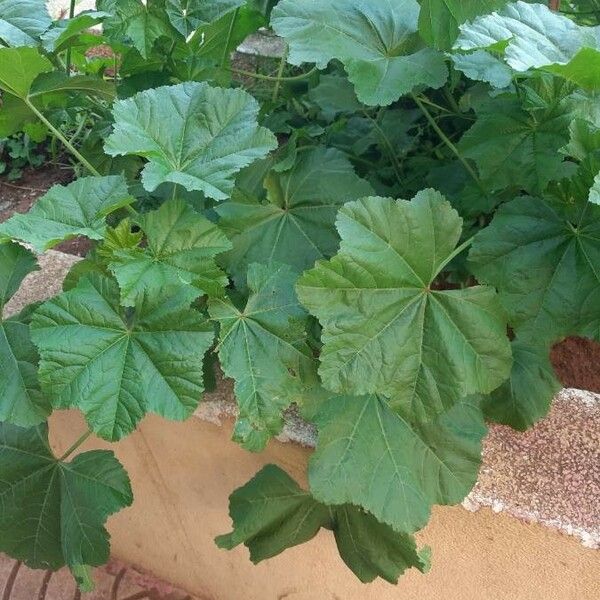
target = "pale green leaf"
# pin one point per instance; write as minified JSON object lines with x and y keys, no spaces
{"x":192,"y":134}
{"x":180,"y":250}
{"x":295,"y":225}
{"x":385,"y":330}
{"x":271,"y":513}
{"x":525,"y":398}
{"x":594,"y":195}
{"x":22,"y":22}
{"x":369,"y":456}
{"x":52,"y":513}
{"x":378,"y":44}
{"x":19,"y":67}
{"x":263,"y":348}
{"x":188,"y":15}
{"x":483,"y":66}
{"x":544,"y":257}
{"x":64,"y":212}
{"x":153,"y":354}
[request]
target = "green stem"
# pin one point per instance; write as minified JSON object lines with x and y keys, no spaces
{"x":388,"y":146}
{"x":272,"y":77}
{"x":62,"y":138}
{"x":68,"y":60}
{"x":451,"y":100}
{"x":76,"y":445}
{"x":282,"y":63}
{"x":449,"y":144}
{"x":456,"y":252}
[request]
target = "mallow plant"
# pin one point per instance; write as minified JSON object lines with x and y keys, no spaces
{"x":385,"y":231}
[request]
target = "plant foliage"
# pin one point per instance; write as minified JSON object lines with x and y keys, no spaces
{"x":260,"y":216}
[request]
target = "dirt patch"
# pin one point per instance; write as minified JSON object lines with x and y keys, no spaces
{"x":576,"y":362}
{"x":19,"y":196}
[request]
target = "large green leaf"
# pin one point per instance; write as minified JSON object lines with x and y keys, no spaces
{"x":535,"y":37}
{"x":544,"y":258}
{"x":180,"y":250}
{"x":385,"y":330}
{"x":271,"y":513}
{"x":369,"y":456}
{"x":263,"y":347}
{"x":21,"y":401}
{"x":377,"y":42}
{"x":153,"y":355}
{"x":483,"y":66}
{"x":18,"y":69}
{"x":63,"y":212}
{"x":525,"y":398}
{"x":192,"y":134}
{"x":141,"y":22}
{"x":188,"y":15}
{"x":513,"y":147}
{"x":22,"y":22}
{"x":66,"y":32}
{"x":439,"y":19}
{"x":295,"y":225}
{"x":52,"y":513}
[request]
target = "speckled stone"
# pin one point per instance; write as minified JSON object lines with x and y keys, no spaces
{"x":549,"y":474}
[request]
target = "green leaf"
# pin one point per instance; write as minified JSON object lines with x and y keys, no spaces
{"x":543,"y":258}
{"x":153,"y":353}
{"x":439,"y":19}
{"x":188,"y":15}
{"x":513,"y":147}
{"x":180,"y":251}
{"x":192,"y":134}
{"x":369,"y":456}
{"x":22,"y":22}
{"x":19,"y":67}
{"x":483,"y":66}
{"x":385,"y":330}
{"x":594,"y":195}
{"x":271,"y":513}
{"x":377,"y":43}
{"x":21,"y":401}
{"x":66,"y":31}
{"x":52,"y":513}
{"x":57,"y":81}
{"x":64,"y":212}
{"x":525,"y":398}
{"x":295,"y":225}
{"x":335,"y":95}
{"x":535,"y":37}
{"x":136,"y":21}
{"x":263,"y":348}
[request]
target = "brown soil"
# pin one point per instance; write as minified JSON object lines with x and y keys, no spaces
{"x":576,"y":361}
{"x":19,"y":196}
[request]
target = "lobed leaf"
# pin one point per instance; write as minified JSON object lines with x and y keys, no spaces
{"x":22,"y":22}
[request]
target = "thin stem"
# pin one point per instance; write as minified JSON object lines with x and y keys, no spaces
{"x":282,"y":63}
{"x":426,"y":100}
{"x":451,"y":100}
{"x":44,"y":587}
{"x":456,"y":252}
{"x":10,"y":582}
{"x":114,"y":590}
{"x":272,"y":77}
{"x":449,"y":144}
{"x":76,"y":445}
{"x":62,"y":138}
{"x":229,"y":35}
{"x":388,"y":146}
{"x":68,"y":59}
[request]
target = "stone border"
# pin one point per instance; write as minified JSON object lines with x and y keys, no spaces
{"x":549,"y":474}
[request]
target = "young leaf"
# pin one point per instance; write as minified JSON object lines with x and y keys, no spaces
{"x":378,"y":44}
{"x":439,"y":19}
{"x":263,"y":347}
{"x":536,"y":37}
{"x":188,"y":15}
{"x":543,"y":257}
{"x":483,"y":66}
{"x":21,"y":401}
{"x":525,"y":398}
{"x":192,"y":134}
{"x":180,"y":251}
{"x":271,"y":513}
{"x":52,"y":513}
{"x":23,"y":22}
{"x":516,"y":148}
{"x":384,"y":329}
{"x":154,"y":355}
{"x":142,"y":23}
{"x":369,"y":456}
{"x":64,"y":212}
{"x":296,"y":224}
{"x":65,"y":31}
